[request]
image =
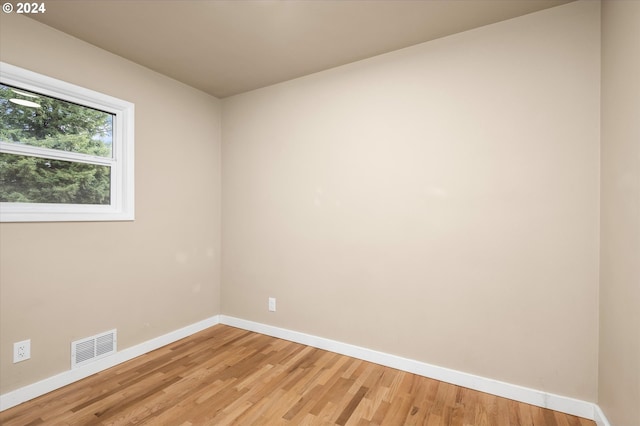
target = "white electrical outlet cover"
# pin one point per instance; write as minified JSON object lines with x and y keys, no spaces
{"x":22,"y":351}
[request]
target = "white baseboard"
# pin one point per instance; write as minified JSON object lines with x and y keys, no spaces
{"x":18,"y":396}
{"x":539,"y":398}
{"x":535,"y":397}
{"x":599,"y":417}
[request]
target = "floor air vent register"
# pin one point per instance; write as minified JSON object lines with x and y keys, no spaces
{"x":89,"y":349}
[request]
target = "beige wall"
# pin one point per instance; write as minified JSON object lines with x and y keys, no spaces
{"x":64,"y":281}
{"x":439,"y":202}
{"x":619,"y":378}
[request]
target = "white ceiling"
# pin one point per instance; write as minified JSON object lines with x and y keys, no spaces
{"x":229,"y":47}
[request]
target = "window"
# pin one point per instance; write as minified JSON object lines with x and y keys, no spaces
{"x":66,"y":152}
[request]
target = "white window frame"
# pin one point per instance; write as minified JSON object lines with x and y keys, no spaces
{"x":121,"y":160}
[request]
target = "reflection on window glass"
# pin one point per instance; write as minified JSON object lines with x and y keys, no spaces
{"x":26,"y":179}
{"x":32,"y":119}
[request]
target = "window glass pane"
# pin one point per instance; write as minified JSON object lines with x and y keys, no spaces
{"x":33,"y":119}
{"x":26,"y":179}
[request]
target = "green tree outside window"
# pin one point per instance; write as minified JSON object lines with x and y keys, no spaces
{"x":32,"y":119}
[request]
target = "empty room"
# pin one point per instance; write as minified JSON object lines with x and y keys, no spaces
{"x":322,"y":212}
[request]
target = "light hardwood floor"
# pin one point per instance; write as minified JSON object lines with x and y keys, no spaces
{"x":225,"y":375}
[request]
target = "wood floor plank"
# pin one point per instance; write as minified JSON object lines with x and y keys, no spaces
{"x":228,"y":376}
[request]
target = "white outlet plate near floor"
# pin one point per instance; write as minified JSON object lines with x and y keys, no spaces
{"x":21,"y":351}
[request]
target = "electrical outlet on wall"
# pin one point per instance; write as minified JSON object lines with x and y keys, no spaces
{"x":272,"y":304}
{"x":21,"y":351}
